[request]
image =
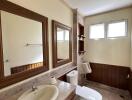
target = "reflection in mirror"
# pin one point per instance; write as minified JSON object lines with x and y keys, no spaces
{"x":62,"y":44}
{"x":22,"y":43}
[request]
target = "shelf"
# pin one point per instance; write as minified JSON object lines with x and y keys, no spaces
{"x":81,"y":29}
{"x":81,"y":36}
{"x":81,"y":39}
{"x":81,"y":52}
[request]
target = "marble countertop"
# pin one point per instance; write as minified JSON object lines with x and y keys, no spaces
{"x":65,"y":89}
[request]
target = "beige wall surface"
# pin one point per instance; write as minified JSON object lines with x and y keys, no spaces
{"x":54,"y":10}
{"x":109,"y":51}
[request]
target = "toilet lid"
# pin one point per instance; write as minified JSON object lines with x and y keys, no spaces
{"x":88,"y":93}
{"x":92,"y":94}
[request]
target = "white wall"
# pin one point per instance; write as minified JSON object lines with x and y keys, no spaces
{"x":53,"y":9}
{"x":109,"y":51}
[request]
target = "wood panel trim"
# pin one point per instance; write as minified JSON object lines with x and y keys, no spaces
{"x":75,"y":28}
{"x":71,"y":95}
{"x":26,"y":67}
{"x":21,"y":11}
{"x":112,"y":75}
{"x":130,"y":83}
{"x":1,"y":51}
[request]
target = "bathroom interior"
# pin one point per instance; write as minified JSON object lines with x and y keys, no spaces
{"x":65,"y":50}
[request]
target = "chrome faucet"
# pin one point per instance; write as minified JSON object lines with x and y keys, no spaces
{"x":34,"y":87}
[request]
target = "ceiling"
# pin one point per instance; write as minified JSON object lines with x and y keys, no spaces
{"x":91,"y":7}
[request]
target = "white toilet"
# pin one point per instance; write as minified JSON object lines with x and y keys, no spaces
{"x":83,"y":92}
{"x":86,"y":93}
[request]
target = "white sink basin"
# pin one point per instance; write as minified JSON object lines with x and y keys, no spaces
{"x":43,"y":92}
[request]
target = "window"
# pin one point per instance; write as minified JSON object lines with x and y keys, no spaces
{"x":108,"y":30}
{"x":117,"y":29}
{"x":66,"y":35}
{"x":60,"y":35}
{"x":97,"y":31}
{"x":63,"y":35}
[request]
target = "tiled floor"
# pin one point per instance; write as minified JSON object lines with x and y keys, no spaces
{"x":109,"y":93}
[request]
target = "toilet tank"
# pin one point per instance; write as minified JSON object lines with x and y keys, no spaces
{"x":72,"y":77}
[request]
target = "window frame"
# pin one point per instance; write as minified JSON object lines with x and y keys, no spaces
{"x":118,"y":21}
{"x":97,"y":38}
{"x":106,"y":28}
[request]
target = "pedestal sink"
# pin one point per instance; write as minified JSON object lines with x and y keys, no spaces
{"x":43,"y":92}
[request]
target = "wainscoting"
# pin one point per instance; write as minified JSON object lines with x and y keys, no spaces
{"x":63,"y":78}
{"x":130,"y":83}
{"x":26,"y":67}
{"x":112,"y":75}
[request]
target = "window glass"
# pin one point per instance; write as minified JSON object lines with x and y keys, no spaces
{"x":117,"y":29}
{"x":66,"y":35}
{"x":60,"y":35}
{"x":97,"y":31}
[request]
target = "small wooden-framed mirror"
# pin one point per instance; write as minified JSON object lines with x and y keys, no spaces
{"x":61,"y":43}
{"x":23,"y":43}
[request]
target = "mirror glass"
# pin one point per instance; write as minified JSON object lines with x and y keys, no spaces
{"x":62,"y":44}
{"x":22,"y":43}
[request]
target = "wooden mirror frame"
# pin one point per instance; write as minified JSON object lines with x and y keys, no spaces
{"x":56,"y":25}
{"x":20,"y":11}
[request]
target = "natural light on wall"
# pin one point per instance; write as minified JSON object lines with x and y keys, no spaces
{"x":97,"y":31}
{"x":117,"y":29}
{"x":108,"y":30}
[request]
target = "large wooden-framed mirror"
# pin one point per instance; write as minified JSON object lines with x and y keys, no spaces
{"x":23,"y":43}
{"x":61,"y":44}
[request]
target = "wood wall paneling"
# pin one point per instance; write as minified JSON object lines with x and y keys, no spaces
{"x":71,"y":96}
{"x":26,"y":67}
{"x":112,"y":75}
{"x":130,"y":83}
{"x":75,"y":26}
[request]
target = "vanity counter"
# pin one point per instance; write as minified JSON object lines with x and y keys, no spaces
{"x":66,"y":91}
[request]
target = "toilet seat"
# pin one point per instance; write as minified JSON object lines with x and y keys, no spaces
{"x":87,"y":93}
